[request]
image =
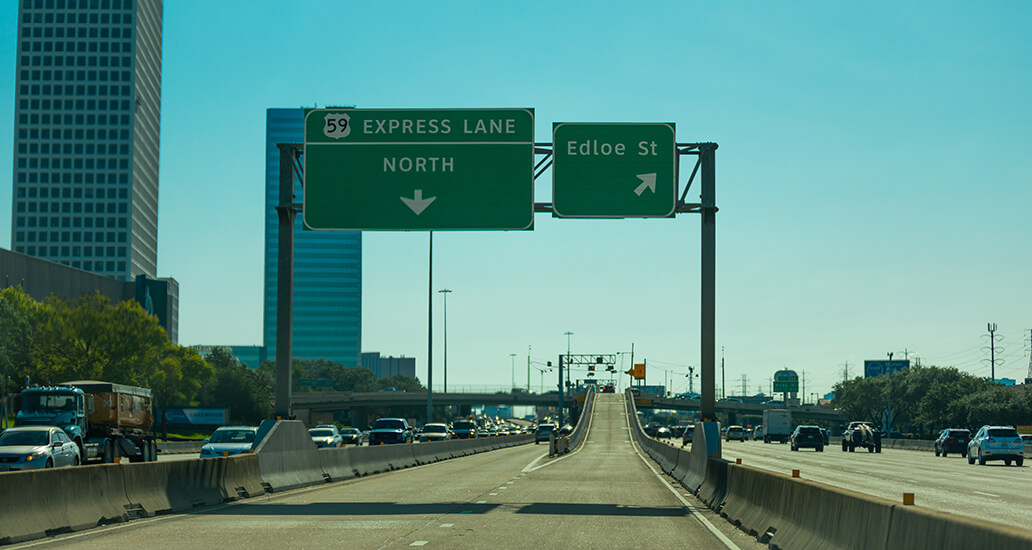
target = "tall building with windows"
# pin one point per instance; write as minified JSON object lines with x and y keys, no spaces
{"x":87,"y":119}
{"x":327,"y":267}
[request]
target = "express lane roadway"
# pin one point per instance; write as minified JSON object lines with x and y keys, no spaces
{"x":602,"y":496}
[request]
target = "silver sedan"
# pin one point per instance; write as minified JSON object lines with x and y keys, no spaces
{"x":36,"y":447}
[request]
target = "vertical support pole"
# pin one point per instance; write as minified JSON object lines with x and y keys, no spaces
{"x":430,"y":335}
{"x":708,"y":210}
{"x":561,"y":391}
{"x":285,"y":280}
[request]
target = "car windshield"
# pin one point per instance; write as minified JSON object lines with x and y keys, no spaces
{"x":546,"y":427}
{"x":436,"y":428}
{"x":810,"y":431}
{"x":232,"y":436}
{"x":350,"y":431}
{"x":29,"y":438}
{"x":958,"y":433}
{"x":320,"y":432}
{"x":38,"y":402}
{"x":463,"y":425}
{"x":384,"y":424}
{"x":1003,"y":432}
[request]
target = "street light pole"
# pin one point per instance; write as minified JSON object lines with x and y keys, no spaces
{"x":512,"y":372}
{"x":446,"y":292}
{"x":568,"y":335}
{"x":528,"y":370}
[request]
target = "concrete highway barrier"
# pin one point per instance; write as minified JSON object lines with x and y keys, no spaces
{"x":287,"y":457}
{"x":382,"y":458}
{"x":35,"y":504}
{"x":336,"y":463}
{"x":163,"y":487}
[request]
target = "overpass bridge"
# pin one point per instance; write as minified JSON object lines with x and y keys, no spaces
{"x":314,"y":408}
{"x":736,"y":410}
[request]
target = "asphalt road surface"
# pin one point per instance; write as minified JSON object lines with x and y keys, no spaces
{"x":605,"y":495}
{"x":992,"y":492}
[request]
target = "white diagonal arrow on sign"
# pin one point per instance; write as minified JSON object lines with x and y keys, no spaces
{"x":418,"y":204}
{"x":648,"y":181}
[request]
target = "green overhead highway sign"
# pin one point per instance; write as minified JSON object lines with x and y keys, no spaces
{"x":614,"y":170}
{"x":419,"y":169}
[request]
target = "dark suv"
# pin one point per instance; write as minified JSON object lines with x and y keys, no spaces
{"x":390,"y":430}
{"x":807,"y":436}
{"x":952,"y":440}
{"x":464,"y":429}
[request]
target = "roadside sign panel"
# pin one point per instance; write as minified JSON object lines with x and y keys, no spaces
{"x":419,"y":169}
{"x":878,"y":368}
{"x":614,"y":170}
{"x":786,"y":381}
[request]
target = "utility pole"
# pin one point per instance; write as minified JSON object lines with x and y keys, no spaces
{"x":744,"y":384}
{"x":845,"y":373}
{"x":512,"y":383}
{"x":992,"y":350}
{"x":1028,"y":377}
{"x":804,"y":387}
{"x":691,"y":378}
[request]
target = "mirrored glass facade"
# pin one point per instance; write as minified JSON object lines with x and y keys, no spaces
{"x":327,"y":267}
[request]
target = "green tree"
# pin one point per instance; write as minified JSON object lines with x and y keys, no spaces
{"x":246,"y":392}
{"x":176,"y":381}
{"x":20,"y":317}
{"x":98,"y":340}
{"x":862,"y":398}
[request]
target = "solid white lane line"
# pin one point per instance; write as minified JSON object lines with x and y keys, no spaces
{"x":986,"y":494}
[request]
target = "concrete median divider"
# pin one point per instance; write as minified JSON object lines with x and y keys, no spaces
{"x":713,"y":490}
{"x":35,"y":504}
{"x":336,"y":463}
{"x":382,"y":458}
{"x":916,"y":527}
{"x":163,"y":487}
{"x":287,"y":458}
{"x":796,"y":513}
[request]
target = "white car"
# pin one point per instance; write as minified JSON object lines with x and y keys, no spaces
{"x":435,"y":432}
{"x":325,"y":435}
{"x":229,"y":440}
{"x":735,"y":432}
{"x":996,"y":443}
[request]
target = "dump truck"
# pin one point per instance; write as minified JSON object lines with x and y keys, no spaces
{"x":106,"y":421}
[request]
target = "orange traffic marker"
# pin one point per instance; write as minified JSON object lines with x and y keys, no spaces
{"x":908,"y":499}
{"x":738,"y":461}
{"x":795,"y":473}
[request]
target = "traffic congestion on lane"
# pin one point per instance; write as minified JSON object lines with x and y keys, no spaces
{"x":601,"y":495}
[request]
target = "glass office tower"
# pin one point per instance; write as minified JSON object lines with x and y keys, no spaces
{"x":87,"y":120}
{"x":327,"y":267}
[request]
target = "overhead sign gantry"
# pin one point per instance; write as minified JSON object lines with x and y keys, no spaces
{"x":474,"y":169}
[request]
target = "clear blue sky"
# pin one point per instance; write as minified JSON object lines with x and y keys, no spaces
{"x":873,"y":176}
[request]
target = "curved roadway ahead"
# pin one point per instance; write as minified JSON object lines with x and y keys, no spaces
{"x":605,"y":495}
{"x":992,"y":492}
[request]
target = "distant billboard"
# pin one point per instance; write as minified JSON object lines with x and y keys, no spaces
{"x":198,"y":417}
{"x":880,"y":367}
